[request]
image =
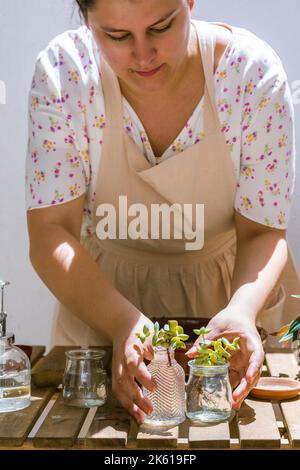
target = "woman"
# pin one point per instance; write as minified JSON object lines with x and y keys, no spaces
{"x":182,"y":112}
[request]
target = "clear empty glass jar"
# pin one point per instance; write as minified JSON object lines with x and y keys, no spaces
{"x":15,"y":376}
{"x":85,"y":380}
{"x":169,"y":399}
{"x":208,"y":391}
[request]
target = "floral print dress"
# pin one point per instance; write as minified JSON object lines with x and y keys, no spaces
{"x":67,"y":118}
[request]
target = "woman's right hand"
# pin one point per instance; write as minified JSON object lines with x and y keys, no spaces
{"x":128,"y":367}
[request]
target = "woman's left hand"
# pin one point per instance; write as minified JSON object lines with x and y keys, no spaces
{"x":245,"y":365}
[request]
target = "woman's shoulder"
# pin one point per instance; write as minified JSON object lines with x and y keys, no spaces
{"x":70,"y":57}
{"x":245,"y":52}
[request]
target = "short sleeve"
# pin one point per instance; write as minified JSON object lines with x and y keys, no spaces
{"x":267,"y":146}
{"x":55,"y":170}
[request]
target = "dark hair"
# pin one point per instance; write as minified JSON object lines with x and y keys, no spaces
{"x":84,"y":6}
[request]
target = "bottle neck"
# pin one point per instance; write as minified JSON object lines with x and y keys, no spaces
{"x":163,"y":354}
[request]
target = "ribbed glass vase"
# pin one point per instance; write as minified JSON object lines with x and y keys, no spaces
{"x":169,"y":399}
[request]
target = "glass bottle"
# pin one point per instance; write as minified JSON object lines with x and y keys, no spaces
{"x":15,"y":370}
{"x":209,"y":396}
{"x":169,"y":399}
{"x":85,"y":380}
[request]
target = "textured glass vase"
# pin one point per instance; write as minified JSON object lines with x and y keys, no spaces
{"x":209,"y":394}
{"x":169,"y":399}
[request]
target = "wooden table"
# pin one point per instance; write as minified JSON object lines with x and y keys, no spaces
{"x":48,"y":423}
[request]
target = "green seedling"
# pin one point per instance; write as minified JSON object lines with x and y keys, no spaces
{"x":289,"y":331}
{"x":214,"y":353}
{"x":170,"y":336}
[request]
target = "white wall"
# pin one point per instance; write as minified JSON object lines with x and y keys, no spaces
{"x":26,"y":26}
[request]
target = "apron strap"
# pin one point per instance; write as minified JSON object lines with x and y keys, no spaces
{"x":207,"y":44}
{"x":112,"y":95}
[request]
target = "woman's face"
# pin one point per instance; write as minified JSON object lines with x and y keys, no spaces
{"x":140,"y":36}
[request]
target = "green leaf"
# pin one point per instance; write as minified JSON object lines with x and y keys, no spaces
{"x":202,"y":331}
{"x":222,"y":351}
{"x":197,"y":332}
{"x":146,"y":330}
{"x":176,"y":339}
{"x":180,"y":330}
{"x":206,"y":343}
{"x":236,"y":343}
{"x":141,"y":337}
{"x":286,"y":337}
{"x":173,"y":324}
{"x":228,"y":344}
{"x":295,"y":325}
{"x":183,"y":337}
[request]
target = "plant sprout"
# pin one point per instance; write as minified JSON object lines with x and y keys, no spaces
{"x":170,"y":336}
{"x":289,"y":331}
{"x":214,"y":353}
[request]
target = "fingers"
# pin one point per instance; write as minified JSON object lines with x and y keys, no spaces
{"x":131,"y":397}
{"x":193,"y":350}
{"x":255,"y":364}
{"x":240,"y":393}
{"x":249,"y":380}
{"x":128,"y":366}
{"x":131,"y":407}
{"x":234,"y":378}
{"x":138,"y":369}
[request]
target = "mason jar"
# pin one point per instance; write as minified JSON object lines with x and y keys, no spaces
{"x":208,"y":393}
{"x":169,"y":399}
{"x":84,"y":380}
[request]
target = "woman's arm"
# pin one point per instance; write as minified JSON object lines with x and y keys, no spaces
{"x":260,"y":260}
{"x":78,"y":282}
{"x":261,"y":257}
{"x":71,"y":274}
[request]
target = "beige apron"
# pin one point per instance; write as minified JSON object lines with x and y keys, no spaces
{"x":160,"y":277}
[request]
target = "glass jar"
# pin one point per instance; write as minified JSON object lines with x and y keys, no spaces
{"x":85,"y":380}
{"x":15,"y":376}
{"x":209,"y":396}
{"x":169,"y":399}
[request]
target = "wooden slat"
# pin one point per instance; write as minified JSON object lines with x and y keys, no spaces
{"x":110,"y":425}
{"x":281,"y":364}
{"x":15,"y":426}
{"x":257,"y":425}
{"x":291,"y":414}
{"x":213,"y":436}
{"x":61,"y":426}
{"x":183,"y":435}
{"x":63,"y":423}
{"x":153,"y":437}
{"x":286,"y":365}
